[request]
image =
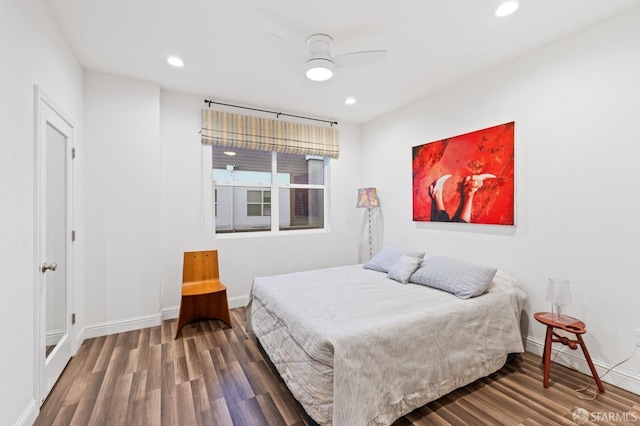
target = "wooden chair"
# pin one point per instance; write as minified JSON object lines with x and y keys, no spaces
{"x":203,"y":295}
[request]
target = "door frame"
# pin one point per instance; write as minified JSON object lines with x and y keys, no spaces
{"x":41,"y":100}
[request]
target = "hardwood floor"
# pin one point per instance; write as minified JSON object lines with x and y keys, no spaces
{"x":216,"y":375}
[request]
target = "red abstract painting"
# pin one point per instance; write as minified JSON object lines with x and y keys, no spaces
{"x":467,"y":178}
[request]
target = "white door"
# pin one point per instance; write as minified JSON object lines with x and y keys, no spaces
{"x":55,"y":207}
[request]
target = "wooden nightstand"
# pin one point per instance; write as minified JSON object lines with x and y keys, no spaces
{"x":571,"y":325}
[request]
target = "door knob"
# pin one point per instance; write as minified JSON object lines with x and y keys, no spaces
{"x":51,"y":267}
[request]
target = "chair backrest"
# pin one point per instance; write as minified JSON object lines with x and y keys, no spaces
{"x":200,"y":265}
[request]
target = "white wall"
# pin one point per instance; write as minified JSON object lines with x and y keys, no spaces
{"x":144,"y":208}
{"x":186,"y":226}
{"x":576,"y":104}
{"x":122,"y":204}
{"x":33,"y":52}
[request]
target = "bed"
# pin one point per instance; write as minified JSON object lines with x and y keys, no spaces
{"x":358,"y":348}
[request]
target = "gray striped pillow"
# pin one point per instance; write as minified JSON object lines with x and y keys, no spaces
{"x":465,"y":280}
{"x":387,"y":257}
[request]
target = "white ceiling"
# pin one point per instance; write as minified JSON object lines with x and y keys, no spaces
{"x":431,"y":44}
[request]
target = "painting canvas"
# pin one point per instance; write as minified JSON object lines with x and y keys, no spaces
{"x":467,"y":178}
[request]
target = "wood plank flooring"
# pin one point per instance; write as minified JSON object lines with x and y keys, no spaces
{"x":216,"y":375}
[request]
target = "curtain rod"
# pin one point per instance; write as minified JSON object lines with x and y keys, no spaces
{"x":278,"y":114}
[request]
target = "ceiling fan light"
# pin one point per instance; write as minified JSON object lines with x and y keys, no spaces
{"x":319,"y":69}
{"x":319,"y":74}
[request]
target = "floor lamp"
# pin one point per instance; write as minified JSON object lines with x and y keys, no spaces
{"x":368,"y":198}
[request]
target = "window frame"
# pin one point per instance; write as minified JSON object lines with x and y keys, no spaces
{"x":262,"y":203}
{"x":274,"y":186}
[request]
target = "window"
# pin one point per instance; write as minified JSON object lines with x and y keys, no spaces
{"x":302,"y":200}
{"x":215,"y":203}
{"x":268,"y":175}
{"x":258,"y":202}
{"x":263,"y":191}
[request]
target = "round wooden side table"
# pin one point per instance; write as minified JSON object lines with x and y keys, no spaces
{"x":571,"y":325}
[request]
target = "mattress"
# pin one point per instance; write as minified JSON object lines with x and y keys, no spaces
{"x":356,"y":348}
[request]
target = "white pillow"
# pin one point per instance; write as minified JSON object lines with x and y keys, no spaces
{"x":387,"y":257}
{"x":403,"y":268}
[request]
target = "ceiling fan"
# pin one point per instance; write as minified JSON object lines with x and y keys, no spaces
{"x":319,"y":65}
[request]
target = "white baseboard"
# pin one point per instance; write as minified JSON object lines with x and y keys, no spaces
{"x":170,"y":313}
{"x":53,"y":337}
{"x":120,"y":326}
{"x":234,"y":302}
{"x":79,"y":339}
{"x":29,"y":415}
{"x":238,"y":301}
{"x":575,"y":359}
{"x":144,"y":321}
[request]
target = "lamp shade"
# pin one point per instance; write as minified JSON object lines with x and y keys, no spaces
{"x":367,"y":198}
{"x":558,"y":293}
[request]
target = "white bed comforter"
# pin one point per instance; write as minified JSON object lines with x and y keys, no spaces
{"x":393,"y":347}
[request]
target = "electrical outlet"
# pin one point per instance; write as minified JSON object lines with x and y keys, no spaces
{"x":638,"y":337}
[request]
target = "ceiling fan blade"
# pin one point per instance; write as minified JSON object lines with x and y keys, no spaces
{"x":287,"y":46}
{"x":360,"y":58}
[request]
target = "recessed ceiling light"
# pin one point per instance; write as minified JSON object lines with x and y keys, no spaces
{"x":229,"y":153}
{"x":350,"y":101}
{"x":175,"y":61}
{"x":507,"y":8}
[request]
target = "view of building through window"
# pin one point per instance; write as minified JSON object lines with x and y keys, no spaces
{"x":258,"y":191}
{"x":258,"y":202}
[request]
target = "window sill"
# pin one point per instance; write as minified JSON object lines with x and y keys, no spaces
{"x":262,"y":234}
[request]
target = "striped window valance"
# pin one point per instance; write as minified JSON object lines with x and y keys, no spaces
{"x":240,"y":131}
